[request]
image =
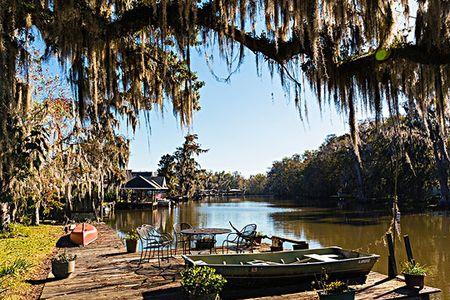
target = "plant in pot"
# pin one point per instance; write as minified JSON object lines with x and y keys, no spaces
{"x":63,"y":265}
{"x":258,"y":237}
{"x":202,"y":283}
{"x":131,"y":241}
{"x":333,"y":290}
{"x":414,"y":274}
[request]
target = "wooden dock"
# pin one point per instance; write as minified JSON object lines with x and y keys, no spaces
{"x":105,"y":271}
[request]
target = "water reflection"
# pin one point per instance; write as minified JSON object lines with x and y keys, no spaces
{"x":430,"y":233}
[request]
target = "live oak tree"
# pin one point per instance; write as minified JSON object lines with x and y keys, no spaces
{"x":124,"y":56}
{"x":52,"y":159}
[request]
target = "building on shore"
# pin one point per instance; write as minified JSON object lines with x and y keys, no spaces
{"x":144,"y":186}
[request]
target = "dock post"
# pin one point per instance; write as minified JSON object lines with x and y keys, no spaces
{"x":392,"y":264}
{"x":408,"y":248}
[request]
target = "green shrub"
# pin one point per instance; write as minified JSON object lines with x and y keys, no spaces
{"x":414,"y":268}
{"x":26,"y":220}
{"x":199,"y":281}
{"x":132,"y":235}
{"x":12,"y":231}
{"x":15,"y":268}
{"x":64,"y":258}
{"x":335,"y":287}
{"x":330,"y":287}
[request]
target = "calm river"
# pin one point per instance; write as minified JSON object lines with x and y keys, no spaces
{"x":429,"y":233}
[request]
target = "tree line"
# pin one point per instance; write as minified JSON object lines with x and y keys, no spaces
{"x":399,"y":158}
{"x":186,"y":178}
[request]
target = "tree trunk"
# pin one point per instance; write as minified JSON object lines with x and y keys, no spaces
{"x":13,"y":211}
{"x":36,"y":217}
{"x":68,"y":207}
{"x":443,"y":182}
{"x":357,"y":161}
{"x":357,"y":166}
{"x":94,"y":208}
{"x":441,"y":158}
{"x":4,"y":216}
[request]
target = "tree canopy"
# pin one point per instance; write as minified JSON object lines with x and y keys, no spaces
{"x":130,"y":55}
{"x":50,"y":161}
{"x":125,"y":56}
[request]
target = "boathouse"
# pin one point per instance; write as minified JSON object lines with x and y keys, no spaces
{"x":144,"y":186}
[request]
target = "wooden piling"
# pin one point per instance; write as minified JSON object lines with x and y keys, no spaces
{"x":408,"y":248}
{"x":392,"y":264}
{"x":277,"y":243}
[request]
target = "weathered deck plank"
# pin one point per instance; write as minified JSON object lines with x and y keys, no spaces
{"x":105,"y":271}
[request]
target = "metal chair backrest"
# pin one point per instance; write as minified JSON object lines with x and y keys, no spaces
{"x":177,"y":227}
{"x":155,"y":234}
{"x":144,"y":231}
{"x":246,"y":232}
{"x":249,"y":230}
{"x":184,"y":226}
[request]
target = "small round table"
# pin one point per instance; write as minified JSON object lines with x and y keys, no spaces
{"x":204,"y":231}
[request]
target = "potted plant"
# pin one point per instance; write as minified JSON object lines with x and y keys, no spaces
{"x":63,"y":265}
{"x":258,"y":237}
{"x":202,"y":283}
{"x":131,"y":240}
{"x":414,"y":274}
{"x":333,"y":290}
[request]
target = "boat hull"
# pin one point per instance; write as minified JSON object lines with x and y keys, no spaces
{"x":285,"y":267}
{"x":83,"y":234}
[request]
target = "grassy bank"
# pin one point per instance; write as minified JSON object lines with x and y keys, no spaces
{"x":22,"y":255}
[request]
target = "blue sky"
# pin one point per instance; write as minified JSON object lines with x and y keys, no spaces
{"x":246,"y":124}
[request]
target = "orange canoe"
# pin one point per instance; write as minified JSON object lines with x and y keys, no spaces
{"x":83,"y":234}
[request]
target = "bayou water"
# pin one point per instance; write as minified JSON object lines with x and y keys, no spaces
{"x":429,"y":232}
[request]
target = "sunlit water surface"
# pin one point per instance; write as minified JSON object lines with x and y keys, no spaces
{"x":429,"y":233}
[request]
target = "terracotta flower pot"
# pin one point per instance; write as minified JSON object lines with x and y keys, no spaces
{"x":131,"y":246}
{"x":63,"y":269}
{"x":414,"y":281}
{"x":348,"y":295}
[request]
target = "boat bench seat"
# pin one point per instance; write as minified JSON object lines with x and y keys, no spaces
{"x":323,"y":257}
{"x":258,"y":262}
